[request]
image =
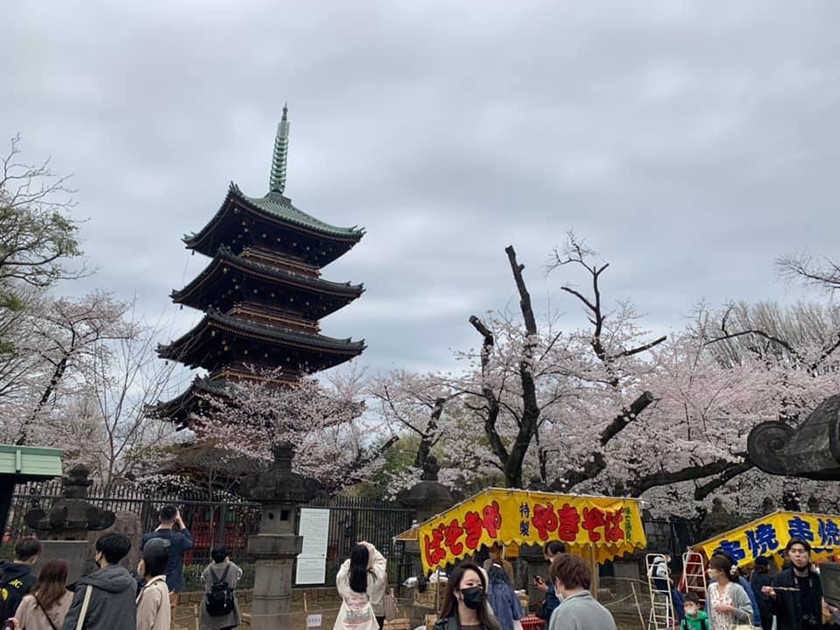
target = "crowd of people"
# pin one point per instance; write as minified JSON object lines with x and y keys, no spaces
{"x":113,"y":597}
{"x":481,"y":597}
{"x":477,"y":597}
{"x":791,"y":599}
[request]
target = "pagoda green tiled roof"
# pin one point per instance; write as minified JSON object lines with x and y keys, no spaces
{"x":276,"y":204}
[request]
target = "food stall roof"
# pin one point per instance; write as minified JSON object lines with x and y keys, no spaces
{"x":768,"y":536}
{"x":598,"y":526}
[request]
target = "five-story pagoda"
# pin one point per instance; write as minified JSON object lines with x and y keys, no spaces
{"x":262,"y":292}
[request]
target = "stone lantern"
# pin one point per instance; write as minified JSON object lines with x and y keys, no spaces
{"x":717,"y":521}
{"x":280,"y":492}
{"x":428,"y":498}
{"x":68,"y":522}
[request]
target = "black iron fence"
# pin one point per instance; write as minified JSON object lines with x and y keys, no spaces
{"x":353,"y":520}
{"x":213,"y":522}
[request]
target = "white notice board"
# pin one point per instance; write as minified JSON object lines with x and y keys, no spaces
{"x":312,"y":561}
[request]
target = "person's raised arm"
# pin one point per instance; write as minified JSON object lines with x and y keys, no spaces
{"x":188,"y":539}
{"x":378,"y":565}
{"x":342,"y":579}
{"x":377,"y":562}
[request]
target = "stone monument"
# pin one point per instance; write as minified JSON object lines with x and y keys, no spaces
{"x":715,"y":522}
{"x":67,"y":524}
{"x":428,"y":496}
{"x":280,"y":492}
{"x":811,"y":450}
{"x":767,"y":506}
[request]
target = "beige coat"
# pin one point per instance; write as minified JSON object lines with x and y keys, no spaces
{"x":153,"y":611}
{"x":31,"y":616}
{"x":353,"y":604}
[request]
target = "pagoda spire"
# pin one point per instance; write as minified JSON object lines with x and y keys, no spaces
{"x":277,"y":181}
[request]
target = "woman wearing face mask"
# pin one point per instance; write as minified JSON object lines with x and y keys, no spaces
{"x":465,"y":604}
{"x":727,"y":602}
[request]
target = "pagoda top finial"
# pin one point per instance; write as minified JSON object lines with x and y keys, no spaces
{"x":277,"y":181}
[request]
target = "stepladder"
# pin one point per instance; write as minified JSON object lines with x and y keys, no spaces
{"x":694,"y":576}
{"x":662,"y":615}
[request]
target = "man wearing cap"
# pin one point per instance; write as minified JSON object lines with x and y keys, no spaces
{"x":796,"y":593}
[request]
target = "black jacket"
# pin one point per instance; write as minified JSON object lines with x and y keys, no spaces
{"x":787,"y":606}
{"x":16,"y":580}
{"x":447,"y":623}
{"x":757,"y":581}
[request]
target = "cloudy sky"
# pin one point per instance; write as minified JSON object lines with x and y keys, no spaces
{"x":690,"y":143}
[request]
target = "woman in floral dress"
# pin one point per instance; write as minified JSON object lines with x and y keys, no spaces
{"x":728,"y":604}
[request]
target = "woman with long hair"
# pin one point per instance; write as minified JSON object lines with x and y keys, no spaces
{"x":153,"y":610}
{"x":465,"y":602}
{"x":727,"y":601}
{"x":361,"y":583}
{"x":46,"y":606}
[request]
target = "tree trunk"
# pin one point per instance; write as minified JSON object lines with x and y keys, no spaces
{"x":530,"y":405}
{"x":429,"y":438}
{"x":45,"y":397}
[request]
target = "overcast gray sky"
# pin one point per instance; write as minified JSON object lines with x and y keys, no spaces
{"x":690,"y":143}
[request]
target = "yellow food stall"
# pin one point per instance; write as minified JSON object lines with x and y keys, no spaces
{"x":595,"y":527}
{"x":768,"y":536}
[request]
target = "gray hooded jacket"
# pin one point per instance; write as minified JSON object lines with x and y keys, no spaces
{"x":111,"y":605}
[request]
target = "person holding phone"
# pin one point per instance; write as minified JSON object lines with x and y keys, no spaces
{"x":176,"y":543}
{"x":552,"y":601}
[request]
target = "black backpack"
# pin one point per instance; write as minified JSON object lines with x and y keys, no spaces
{"x":220,"y":597}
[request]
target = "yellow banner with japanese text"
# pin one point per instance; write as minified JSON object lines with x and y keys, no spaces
{"x":609,"y":526}
{"x":769,"y":535}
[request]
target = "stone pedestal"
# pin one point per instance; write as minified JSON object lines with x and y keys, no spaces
{"x":715,"y":522}
{"x":280,"y":491}
{"x":626,"y":574}
{"x":76,"y":553}
{"x":275,"y":554}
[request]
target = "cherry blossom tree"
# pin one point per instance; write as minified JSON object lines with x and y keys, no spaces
{"x":541,"y":387}
{"x":802,"y":267}
{"x":324,"y":420}
{"x":65,"y":338}
{"x":415,"y":402}
{"x":82,"y":373}
{"x":612,"y":408}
